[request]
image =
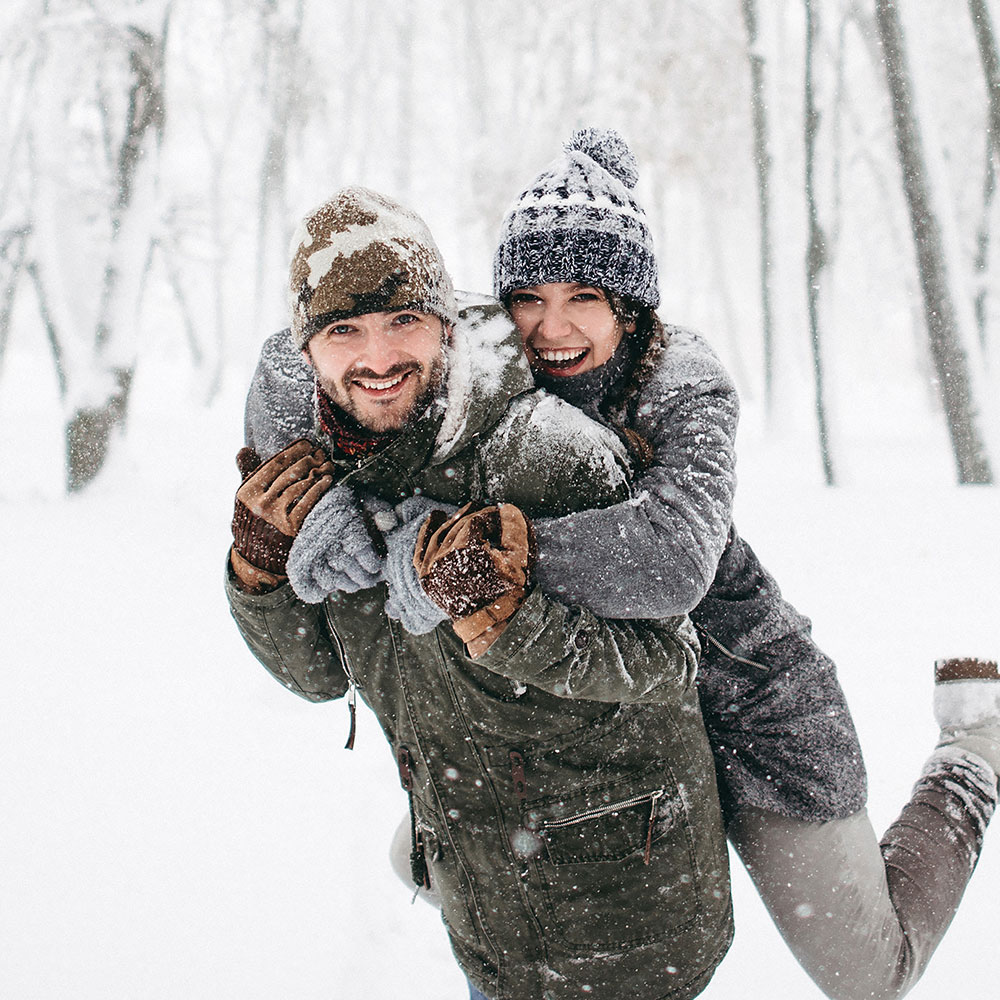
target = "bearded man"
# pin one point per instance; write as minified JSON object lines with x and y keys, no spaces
{"x":562,"y":791}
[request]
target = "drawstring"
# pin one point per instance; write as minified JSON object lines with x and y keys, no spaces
{"x":648,"y":853}
{"x":418,"y":857}
{"x":352,"y":706}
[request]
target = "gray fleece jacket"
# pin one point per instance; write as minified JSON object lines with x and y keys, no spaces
{"x":777,"y":720}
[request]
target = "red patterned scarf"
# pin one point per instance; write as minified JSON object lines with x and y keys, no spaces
{"x":344,"y":432}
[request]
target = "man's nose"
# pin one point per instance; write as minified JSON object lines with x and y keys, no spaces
{"x":380,"y":352}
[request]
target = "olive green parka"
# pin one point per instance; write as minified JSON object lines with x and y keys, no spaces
{"x":562,"y":788}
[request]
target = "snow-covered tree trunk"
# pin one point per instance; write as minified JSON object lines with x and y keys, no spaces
{"x":90,"y":151}
{"x":816,"y":252}
{"x":13,"y":247}
{"x":89,"y":425}
{"x":989,"y":55}
{"x":762,"y":163}
{"x":984,"y":239}
{"x":20,"y":60}
{"x":282,"y":99}
{"x":949,"y":356}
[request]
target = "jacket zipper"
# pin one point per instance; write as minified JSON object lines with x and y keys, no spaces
{"x":728,"y":652}
{"x":352,"y":684}
{"x":637,"y":800}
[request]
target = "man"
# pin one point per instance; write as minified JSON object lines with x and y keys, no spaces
{"x":562,"y":790}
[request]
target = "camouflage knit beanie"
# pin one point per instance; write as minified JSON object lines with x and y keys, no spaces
{"x":578,"y":221}
{"x":362,"y":253}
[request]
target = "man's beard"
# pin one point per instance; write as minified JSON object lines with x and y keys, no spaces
{"x":368,"y":413}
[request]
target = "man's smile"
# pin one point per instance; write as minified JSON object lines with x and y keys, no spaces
{"x":385,"y":386}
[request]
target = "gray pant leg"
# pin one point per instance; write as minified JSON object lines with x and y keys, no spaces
{"x":864,"y":918}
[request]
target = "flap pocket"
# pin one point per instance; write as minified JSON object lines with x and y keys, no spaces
{"x":608,"y":822}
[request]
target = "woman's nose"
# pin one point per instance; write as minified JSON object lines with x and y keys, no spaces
{"x":554,"y":324}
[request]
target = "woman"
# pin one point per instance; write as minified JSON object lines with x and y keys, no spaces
{"x":575,"y":267}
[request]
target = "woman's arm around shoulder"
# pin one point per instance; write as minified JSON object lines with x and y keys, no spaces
{"x":655,"y":555}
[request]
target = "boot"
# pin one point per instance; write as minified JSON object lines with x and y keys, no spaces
{"x":967,"y":708}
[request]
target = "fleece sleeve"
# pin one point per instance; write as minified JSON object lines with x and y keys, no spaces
{"x":655,"y":555}
{"x":279,"y":404}
{"x":291,"y":639}
{"x":571,"y":653}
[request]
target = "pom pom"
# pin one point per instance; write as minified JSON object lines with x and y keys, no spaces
{"x":606,"y":147}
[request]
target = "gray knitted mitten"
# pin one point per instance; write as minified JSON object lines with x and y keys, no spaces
{"x":336,"y":549}
{"x":408,"y":601}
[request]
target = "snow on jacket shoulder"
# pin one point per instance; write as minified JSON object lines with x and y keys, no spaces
{"x":655,"y":555}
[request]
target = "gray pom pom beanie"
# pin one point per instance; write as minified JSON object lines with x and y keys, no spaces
{"x":578,"y":221}
{"x":361,"y":252}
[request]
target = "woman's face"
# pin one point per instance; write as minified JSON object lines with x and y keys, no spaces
{"x":567,"y":328}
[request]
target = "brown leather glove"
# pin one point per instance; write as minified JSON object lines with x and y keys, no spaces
{"x":476,"y":566}
{"x":271,"y":505}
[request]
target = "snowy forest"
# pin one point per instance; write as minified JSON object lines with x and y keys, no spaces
{"x":821,"y":178}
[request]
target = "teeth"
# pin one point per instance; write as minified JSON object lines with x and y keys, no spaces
{"x":382,"y":384}
{"x":562,"y":355}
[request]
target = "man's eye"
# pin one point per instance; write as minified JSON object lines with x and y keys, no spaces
{"x":404,"y":319}
{"x":339,"y":330}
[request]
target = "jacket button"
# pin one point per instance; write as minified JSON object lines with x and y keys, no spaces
{"x":582,"y":640}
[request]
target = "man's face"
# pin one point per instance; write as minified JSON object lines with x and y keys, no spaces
{"x":567,"y":328}
{"x":381,"y":368}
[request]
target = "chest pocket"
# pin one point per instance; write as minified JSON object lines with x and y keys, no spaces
{"x":617,"y":861}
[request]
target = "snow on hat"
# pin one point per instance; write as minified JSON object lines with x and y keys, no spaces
{"x":361,"y":253}
{"x":578,"y":221}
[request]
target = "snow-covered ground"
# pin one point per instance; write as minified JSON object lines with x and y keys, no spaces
{"x":175,"y":826}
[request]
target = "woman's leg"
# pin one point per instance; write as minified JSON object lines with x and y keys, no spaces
{"x":864,"y":918}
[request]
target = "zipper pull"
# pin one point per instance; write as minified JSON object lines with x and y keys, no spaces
{"x":648,"y":855}
{"x":517,"y":774}
{"x":352,"y":706}
{"x":405,"y":764}
{"x":419,"y":871}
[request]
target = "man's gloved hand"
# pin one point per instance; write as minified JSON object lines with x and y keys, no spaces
{"x":477,"y":565}
{"x":339,"y":547}
{"x":271,"y":505}
{"x":408,"y":602}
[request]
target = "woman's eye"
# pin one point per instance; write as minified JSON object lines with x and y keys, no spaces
{"x":524,"y":299}
{"x":586,"y":297}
